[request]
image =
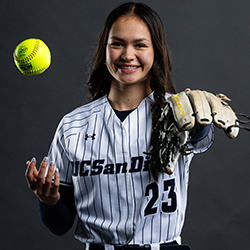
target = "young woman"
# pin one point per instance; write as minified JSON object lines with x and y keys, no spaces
{"x":121,"y":198}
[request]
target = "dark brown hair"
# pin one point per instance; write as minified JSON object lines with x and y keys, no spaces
{"x":99,"y":80}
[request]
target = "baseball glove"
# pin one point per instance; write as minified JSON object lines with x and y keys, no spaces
{"x":187,"y":111}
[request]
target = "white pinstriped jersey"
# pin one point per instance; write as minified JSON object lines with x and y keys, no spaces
{"x":116,"y":197}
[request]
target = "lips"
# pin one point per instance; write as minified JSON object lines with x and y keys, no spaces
{"x":128,"y":68}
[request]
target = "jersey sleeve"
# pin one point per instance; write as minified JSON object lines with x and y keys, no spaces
{"x":60,"y":218}
{"x":202,"y":145}
{"x":58,"y":154}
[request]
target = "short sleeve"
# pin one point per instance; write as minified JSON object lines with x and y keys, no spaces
{"x":58,"y":154}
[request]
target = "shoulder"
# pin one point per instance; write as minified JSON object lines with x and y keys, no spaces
{"x":77,"y":119}
{"x":87,"y":109}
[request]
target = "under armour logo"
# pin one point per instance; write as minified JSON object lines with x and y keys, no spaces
{"x":90,"y":136}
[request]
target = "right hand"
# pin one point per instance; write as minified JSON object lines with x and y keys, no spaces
{"x":40,"y":185}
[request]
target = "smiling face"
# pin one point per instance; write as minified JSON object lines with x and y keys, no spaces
{"x":129,"y":51}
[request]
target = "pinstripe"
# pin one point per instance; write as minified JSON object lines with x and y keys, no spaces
{"x":143,"y":240}
{"x":100,"y":189}
{"x":91,"y":179}
{"x":109,"y":186}
{"x":98,"y":104}
{"x":126,"y":190}
{"x":110,"y":205}
{"x":95,"y":212}
{"x":81,"y":232}
{"x":127,"y":220}
{"x":138,"y":147}
{"x":109,"y":178}
{"x":138,"y":152}
{"x":152,"y":228}
{"x":128,"y":178}
{"x":131,"y":182}
{"x":134,"y":202}
{"x":138,"y":125}
{"x":69,"y":170}
{"x":147,"y":143}
{"x":70,"y":135}
{"x":116,"y":178}
{"x":118,"y":197}
{"x":88,"y":213}
{"x":76,"y":146}
{"x":78,"y":189}
{"x":161,"y":220}
{"x":92,"y":148}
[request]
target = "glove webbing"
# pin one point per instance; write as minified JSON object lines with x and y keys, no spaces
{"x":241,"y":122}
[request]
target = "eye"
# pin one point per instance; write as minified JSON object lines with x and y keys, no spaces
{"x":140,"y":45}
{"x":116,"y":44}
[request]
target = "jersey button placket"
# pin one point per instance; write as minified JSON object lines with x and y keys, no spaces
{"x":130,"y":199}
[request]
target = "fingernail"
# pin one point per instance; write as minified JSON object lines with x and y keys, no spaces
{"x":56,"y":170}
{"x":45,"y":159}
{"x":33,"y":159}
{"x":52,"y":163}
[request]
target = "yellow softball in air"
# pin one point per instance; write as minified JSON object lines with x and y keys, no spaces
{"x":32,"y":56}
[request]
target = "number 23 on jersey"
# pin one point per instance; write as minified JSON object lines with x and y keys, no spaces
{"x":168,"y":202}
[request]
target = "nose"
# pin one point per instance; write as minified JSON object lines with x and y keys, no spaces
{"x":128,"y":54}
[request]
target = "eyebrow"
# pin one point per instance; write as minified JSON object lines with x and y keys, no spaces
{"x":134,"y":41}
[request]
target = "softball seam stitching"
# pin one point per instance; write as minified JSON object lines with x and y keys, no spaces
{"x":32,"y":55}
{"x":36,"y":71}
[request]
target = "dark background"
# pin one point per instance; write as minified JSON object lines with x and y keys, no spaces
{"x":209,"y":40}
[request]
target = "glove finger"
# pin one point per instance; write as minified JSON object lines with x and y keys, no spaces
{"x":201,"y":107}
{"x":223,"y":115}
{"x":182,"y":111}
{"x":231,"y":121}
{"x":217,"y":110}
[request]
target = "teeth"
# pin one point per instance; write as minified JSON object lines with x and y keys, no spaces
{"x":129,"y":67}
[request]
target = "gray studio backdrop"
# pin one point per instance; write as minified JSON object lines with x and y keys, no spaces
{"x":209,"y":42}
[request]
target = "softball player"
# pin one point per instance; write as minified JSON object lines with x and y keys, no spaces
{"x":98,"y":155}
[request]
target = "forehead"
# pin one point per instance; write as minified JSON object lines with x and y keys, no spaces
{"x":131,"y":25}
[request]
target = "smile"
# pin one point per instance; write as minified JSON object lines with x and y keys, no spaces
{"x":128,"y":67}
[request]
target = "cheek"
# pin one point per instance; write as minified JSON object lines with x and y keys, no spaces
{"x":109,"y":61}
{"x":147,"y":59}
{"x":111,"y":56}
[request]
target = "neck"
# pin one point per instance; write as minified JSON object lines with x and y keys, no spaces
{"x":127,"y":97}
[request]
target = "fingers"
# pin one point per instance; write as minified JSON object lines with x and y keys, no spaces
{"x":55,"y":188}
{"x":44,"y":181}
{"x":49,"y":194}
{"x":41,"y":175}
{"x":40,"y":182}
{"x":48,"y":189}
{"x":217,"y":110}
{"x":201,"y":107}
{"x":210,"y":108}
{"x":182,"y":110}
{"x":31,"y":173}
{"x":48,"y":180}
